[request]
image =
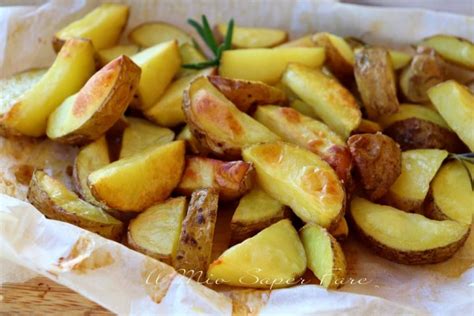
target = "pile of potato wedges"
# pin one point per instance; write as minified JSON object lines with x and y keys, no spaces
{"x":309,"y":141}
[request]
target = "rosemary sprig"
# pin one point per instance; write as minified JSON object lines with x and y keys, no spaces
{"x":207,"y":36}
{"x":463,"y":159}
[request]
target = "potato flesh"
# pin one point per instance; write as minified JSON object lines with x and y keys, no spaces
{"x":151,"y":34}
{"x":329,"y":100}
{"x":137,"y":182}
{"x":300,"y":179}
{"x":265,"y":64}
{"x":303,"y":108}
{"x":257,"y":206}
{"x":102,"y":26}
{"x":189,"y":55}
{"x":159,"y":65}
{"x":455,"y":103}
{"x":399,"y":59}
{"x":140,"y":135}
{"x":304,"y":41}
{"x":404,"y":231}
{"x":452,"y":192}
{"x":72,"y":67}
{"x":279,"y":261}
{"x":419,"y":166}
{"x":158,"y":228}
{"x":106,"y":55}
{"x":407,"y":111}
{"x":456,"y":50}
{"x":339,"y":55}
{"x":324,"y":254}
{"x":253,"y":37}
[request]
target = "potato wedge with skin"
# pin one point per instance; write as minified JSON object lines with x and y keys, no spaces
{"x":303,"y":108}
{"x":231,"y":179}
{"x":454,"y":49}
{"x":265,"y":64}
{"x":274,"y":258}
{"x":300,"y":179}
{"x":451,"y":195}
{"x":313,"y":135}
{"x":103,"y":26}
{"x":141,"y":134}
{"x":404,"y":237}
{"x":329,"y":100}
{"x":106,"y":55}
{"x":325,"y":256}
{"x":304,"y":41}
{"x":377,"y":162}
{"x":399,"y":59}
{"x":246,"y":95}
{"x":192,"y":143}
{"x":135,"y":183}
{"x":217,"y":123}
{"x":339,"y":55}
{"x":425,"y":71}
{"x":367,"y":127}
{"x":71,"y":69}
{"x":168,"y":111}
{"x":194,"y":250}
{"x":341,"y":230}
{"x":455,"y":103}
{"x":375,"y":80}
{"x":156,"y":231}
{"x":419,"y":166}
{"x":87,"y":115}
{"x":256,"y":211}
{"x":189,"y":55}
{"x":252,"y":37}
{"x":55,"y":201}
{"x":152,"y":33}
{"x":159,"y":64}
{"x":408,"y":111}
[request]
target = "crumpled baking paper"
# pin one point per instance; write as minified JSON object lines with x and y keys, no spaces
{"x":127,"y":282}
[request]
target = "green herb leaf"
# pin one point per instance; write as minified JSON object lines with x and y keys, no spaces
{"x":463,"y":159}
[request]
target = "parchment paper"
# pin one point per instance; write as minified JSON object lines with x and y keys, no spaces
{"x":127,"y":282}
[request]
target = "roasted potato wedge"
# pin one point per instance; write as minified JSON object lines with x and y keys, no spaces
{"x":425,"y":71}
{"x":189,"y":55}
{"x":399,"y":59}
{"x":339,"y":55}
{"x":451,"y":195}
{"x":156,"y":231}
{"x":256,"y":211}
{"x":252,"y":37}
{"x":192,"y":143}
{"x":217,"y":123}
{"x":88,"y":114}
{"x":137,"y":182}
{"x":153,"y":33}
{"x":246,"y":95}
{"x":375,"y":80}
{"x":408,"y":111}
{"x":103,"y":26}
{"x":55,"y":201}
{"x":194,"y":250}
{"x":304,"y":41}
{"x":455,"y":103}
{"x":341,"y":230}
{"x":300,"y":179}
{"x":106,"y":55}
{"x":141,"y":134}
{"x":325,"y":256}
{"x":29,"y":113}
{"x":367,"y":126}
{"x":303,"y":108}
{"x":159,"y":64}
{"x":274,"y":258}
{"x":329,"y":100}
{"x":265,"y":64}
{"x":168,"y":111}
{"x":419,"y":167}
{"x":454,"y":49}
{"x":377,"y":160}
{"x":404,"y":237}
{"x":231,"y":179}
{"x":311,"y":134}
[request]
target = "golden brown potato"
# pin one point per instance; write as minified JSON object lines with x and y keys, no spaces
{"x":252,"y":37}
{"x":195,"y":242}
{"x":454,"y":49}
{"x":87,"y":115}
{"x":231,"y":179}
{"x":106,"y":55}
{"x":192,"y":144}
{"x":376,"y":81}
{"x":367,"y":126}
{"x":55,"y":201}
{"x":246,"y":95}
{"x":404,"y":237}
{"x":377,"y":160}
{"x":304,"y":41}
{"x":153,"y":33}
{"x":341,"y":231}
{"x":425,"y":71}
{"x":217,"y":123}
{"x":339,"y":55}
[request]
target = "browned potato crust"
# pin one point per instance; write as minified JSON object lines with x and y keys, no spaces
{"x":376,"y":81}
{"x":367,"y":126}
{"x":246,"y":95}
{"x":195,"y":242}
{"x":415,"y":133}
{"x":377,"y":160}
